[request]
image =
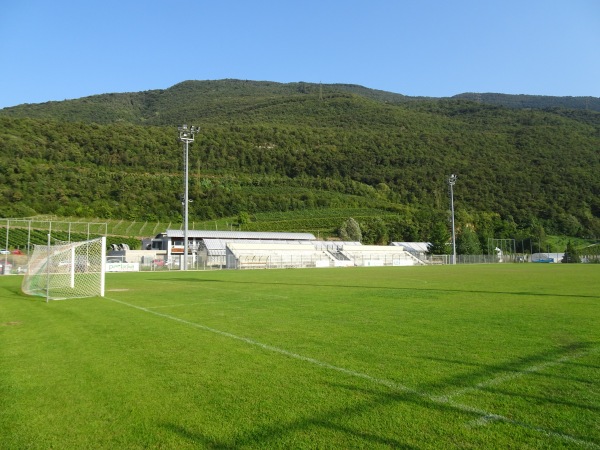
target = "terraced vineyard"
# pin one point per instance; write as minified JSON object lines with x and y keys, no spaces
{"x":306,"y":220}
{"x":323,"y":222}
{"x":20,"y":237}
{"x":320,"y":222}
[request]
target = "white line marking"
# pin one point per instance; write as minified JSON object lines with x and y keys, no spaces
{"x":175,"y":306}
{"x":484,"y":418}
{"x":229,"y":302}
{"x":239,"y":291}
{"x":203,"y":302}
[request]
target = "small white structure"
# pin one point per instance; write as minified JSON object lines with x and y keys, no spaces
{"x":499,"y":254}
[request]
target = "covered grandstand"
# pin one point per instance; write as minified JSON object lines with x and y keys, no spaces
{"x":276,"y":255}
{"x":316,"y":254}
{"x":214,"y":251}
{"x":247,"y":249}
{"x":207,"y":247}
{"x":379,"y":255}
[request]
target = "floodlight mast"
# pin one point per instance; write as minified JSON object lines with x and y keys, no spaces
{"x":186,"y":135}
{"x":452,"y":182}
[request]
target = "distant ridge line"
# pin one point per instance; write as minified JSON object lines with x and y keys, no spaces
{"x":258,"y":88}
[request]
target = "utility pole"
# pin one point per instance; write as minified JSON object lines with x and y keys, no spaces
{"x":451,"y":182}
{"x":186,"y":135}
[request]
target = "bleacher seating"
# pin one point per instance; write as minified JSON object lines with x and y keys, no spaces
{"x":263,"y":256}
{"x":378,"y":255}
{"x":244,"y":255}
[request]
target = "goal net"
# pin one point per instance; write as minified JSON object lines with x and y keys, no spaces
{"x":66,"y":270}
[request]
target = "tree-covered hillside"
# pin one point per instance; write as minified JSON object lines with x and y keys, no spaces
{"x":229,"y":98}
{"x":267,"y":147}
{"x":189,"y":100}
{"x":534,"y":101}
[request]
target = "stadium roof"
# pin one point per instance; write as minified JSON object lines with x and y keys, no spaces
{"x":419,"y":247}
{"x":216,"y":247}
{"x":260,"y":235}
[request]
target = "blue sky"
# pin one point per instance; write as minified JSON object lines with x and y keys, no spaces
{"x":56,"y":50}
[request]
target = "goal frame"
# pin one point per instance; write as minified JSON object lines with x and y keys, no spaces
{"x":67,"y":270}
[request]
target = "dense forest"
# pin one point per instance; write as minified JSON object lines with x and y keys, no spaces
{"x":523,"y":172}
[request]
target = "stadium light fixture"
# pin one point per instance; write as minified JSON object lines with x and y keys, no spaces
{"x":186,"y":135}
{"x":452,"y":182}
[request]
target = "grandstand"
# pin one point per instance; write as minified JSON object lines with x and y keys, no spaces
{"x":379,"y":255}
{"x":245,"y":255}
{"x":214,"y":251}
{"x":419,"y":250}
{"x":207,"y":247}
{"x":244,"y":250}
{"x":285,"y":256}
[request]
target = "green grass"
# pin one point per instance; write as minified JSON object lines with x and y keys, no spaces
{"x":494,"y":356}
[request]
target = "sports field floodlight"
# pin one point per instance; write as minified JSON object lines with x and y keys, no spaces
{"x":451,"y":182}
{"x":186,"y":135}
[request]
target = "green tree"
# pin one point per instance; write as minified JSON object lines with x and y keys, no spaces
{"x":243,"y":218}
{"x":350,"y":231}
{"x":467,"y":243}
{"x":571,"y":255}
{"x":438,"y":239}
{"x":375,"y":232}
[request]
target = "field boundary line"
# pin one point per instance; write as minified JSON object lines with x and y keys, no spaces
{"x":485,"y":415}
{"x":209,"y":302}
{"x":175,"y":306}
{"x":237,"y":291}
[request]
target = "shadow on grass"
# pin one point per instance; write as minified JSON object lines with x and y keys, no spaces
{"x":590,"y":366}
{"x":529,"y":365}
{"x":11,"y":285}
{"x":420,"y":289}
{"x":541,"y":401}
{"x":338,"y":420}
{"x":335,"y":421}
{"x":197,"y":438}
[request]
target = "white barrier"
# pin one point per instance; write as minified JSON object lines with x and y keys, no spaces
{"x":122,"y":267}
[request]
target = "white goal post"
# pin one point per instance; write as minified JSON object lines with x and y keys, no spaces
{"x":66,"y":270}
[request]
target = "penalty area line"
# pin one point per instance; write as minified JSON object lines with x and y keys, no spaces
{"x":484,"y":418}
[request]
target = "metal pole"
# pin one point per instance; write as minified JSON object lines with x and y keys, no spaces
{"x":7,"y":239}
{"x":451,"y":182}
{"x":48,"y":258}
{"x":185,"y":208}
{"x":186,"y":135}
{"x":103,"y":266}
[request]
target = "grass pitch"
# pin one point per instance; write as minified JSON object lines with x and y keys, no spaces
{"x":497,"y":356}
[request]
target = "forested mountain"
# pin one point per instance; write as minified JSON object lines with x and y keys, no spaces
{"x":209,"y":99}
{"x":225,"y":99}
{"x":286,"y":147}
{"x":534,"y":101}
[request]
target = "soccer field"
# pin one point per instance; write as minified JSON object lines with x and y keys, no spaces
{"x":482,"y":356}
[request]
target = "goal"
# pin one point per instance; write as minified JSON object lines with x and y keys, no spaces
{"x":66,"y":270}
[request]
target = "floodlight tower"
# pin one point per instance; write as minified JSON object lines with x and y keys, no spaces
{"x":186,"y":135}
{"x":451,"y":182}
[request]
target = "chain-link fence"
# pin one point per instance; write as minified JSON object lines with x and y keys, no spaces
{"x":16,"y":264}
